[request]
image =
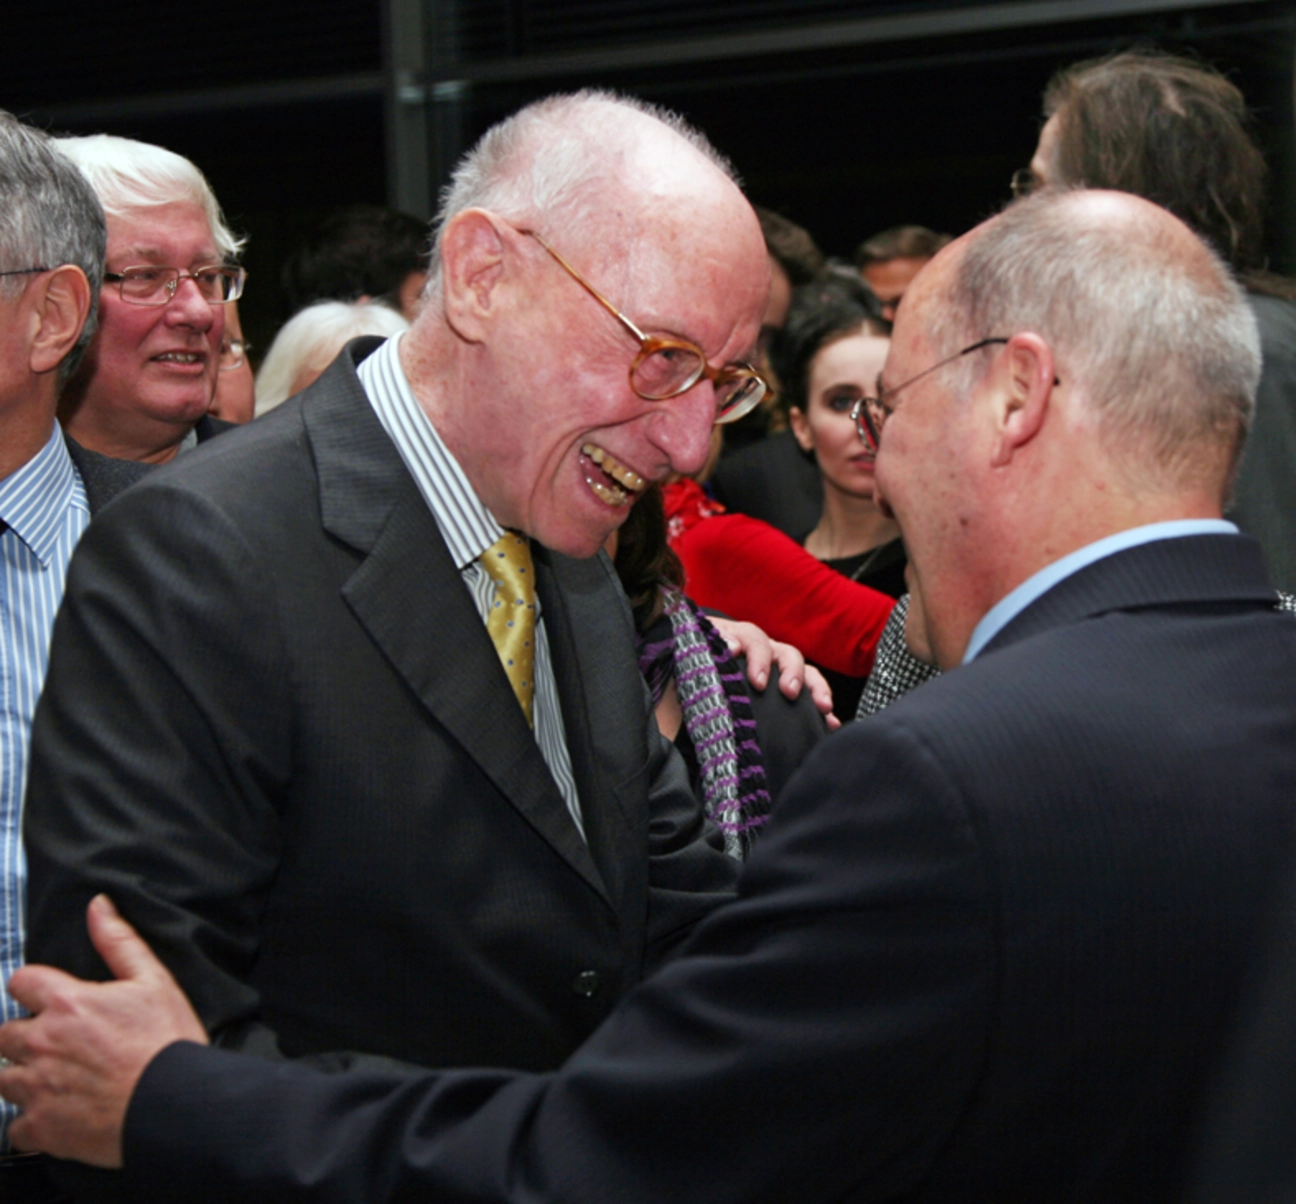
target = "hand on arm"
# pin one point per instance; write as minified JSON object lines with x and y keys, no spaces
{"x":74,"y":1064}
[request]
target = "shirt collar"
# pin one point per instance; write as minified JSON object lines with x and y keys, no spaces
{"x":34,"y":499}
{"x":467,"y":526}
{"x":1011,"y":605}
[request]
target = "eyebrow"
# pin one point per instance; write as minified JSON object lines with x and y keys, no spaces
{"x":154,"y":254}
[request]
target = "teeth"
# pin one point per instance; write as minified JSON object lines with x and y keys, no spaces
{"x":616,"y":470}
{"x":610,"y":494}
{"x":180,"y":357}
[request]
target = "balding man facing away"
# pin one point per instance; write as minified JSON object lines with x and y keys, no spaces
{"x":991,"y":945}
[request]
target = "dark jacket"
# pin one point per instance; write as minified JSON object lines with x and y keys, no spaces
{"x":989,"y":950}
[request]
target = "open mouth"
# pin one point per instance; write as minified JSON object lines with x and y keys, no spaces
{"x":610,"y":480}
{"x":180,"y":357}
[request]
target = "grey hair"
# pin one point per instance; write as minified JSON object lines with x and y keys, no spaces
{"x":129,"y":175}
{"x":1163,"y":346}
{"x":312,"y":337}
{"x":49,"y":216}
{"x":551,"y":158}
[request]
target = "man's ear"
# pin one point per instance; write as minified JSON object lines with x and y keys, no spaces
{"x":60,"y":304}
{"x":1025,"y":378}
{"x":472,"y":267}
{"x":800,"y":425}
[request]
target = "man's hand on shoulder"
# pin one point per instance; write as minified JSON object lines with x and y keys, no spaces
{"x":73,"y":1065}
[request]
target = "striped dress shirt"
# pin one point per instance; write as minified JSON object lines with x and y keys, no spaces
{"x":44,"y":509}
{"x":468,"y":529}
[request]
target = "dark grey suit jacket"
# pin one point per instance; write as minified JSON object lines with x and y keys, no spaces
{"x":276,"y":731}
{"x":103,"y":477}
{"x":988,"y":951}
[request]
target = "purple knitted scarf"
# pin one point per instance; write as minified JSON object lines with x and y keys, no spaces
{"x":717,"y":716}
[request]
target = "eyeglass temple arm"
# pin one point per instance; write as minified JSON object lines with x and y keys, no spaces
{"x":589,"y":288}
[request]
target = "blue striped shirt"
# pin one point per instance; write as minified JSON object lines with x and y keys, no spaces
{"x":44,"y":505}
{"x":468,"y":529}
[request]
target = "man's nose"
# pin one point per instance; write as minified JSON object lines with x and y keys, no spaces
{"x":683,"y":429}
{"x":189,"y":307}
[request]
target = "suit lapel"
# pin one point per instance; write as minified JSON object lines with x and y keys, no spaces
{"x":600,"y":818}
{"x":408,"y":595}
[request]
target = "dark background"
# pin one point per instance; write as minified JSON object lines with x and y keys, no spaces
{"x":836,"y":114}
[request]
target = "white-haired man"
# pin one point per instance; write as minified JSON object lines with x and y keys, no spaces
{"x":991,"y":945}
{"x":149,"y":377}
{"x":278,"y":710}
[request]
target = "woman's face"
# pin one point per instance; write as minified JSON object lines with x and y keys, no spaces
{"x":841,"y":373}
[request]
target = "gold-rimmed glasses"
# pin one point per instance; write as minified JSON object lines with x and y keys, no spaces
{"x":665,"y":367}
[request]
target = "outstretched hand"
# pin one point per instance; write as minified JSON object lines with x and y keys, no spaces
{"x":73,"y":1065}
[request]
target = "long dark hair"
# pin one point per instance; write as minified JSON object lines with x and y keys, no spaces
{"x":644,"y":560}
{"x":1176,"y":132}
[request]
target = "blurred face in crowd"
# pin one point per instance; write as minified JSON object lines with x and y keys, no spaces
{"x":840,"y":374}
{"x":235,"y":397}
{"x":780,"y":298}
{"x":890,"y":277}
{"x":152,"y":369}
{"x":1042,"y":165}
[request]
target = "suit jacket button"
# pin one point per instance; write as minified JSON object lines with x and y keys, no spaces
{"x":586,"y":984}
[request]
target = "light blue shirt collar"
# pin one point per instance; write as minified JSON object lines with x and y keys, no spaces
{"x":1011,"y":605}
{"x":34,"y":498}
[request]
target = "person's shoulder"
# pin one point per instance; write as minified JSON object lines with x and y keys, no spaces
{"x":104,"y":477}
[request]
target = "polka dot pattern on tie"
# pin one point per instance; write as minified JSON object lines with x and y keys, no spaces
{"x":512,"y":618}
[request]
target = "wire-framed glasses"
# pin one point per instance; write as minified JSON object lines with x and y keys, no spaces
{"x":871,"y":413}
{"x":151,"y":284}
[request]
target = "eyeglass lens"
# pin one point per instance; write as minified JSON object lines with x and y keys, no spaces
{"x":667,"y":371}
{"x":157,"y":285}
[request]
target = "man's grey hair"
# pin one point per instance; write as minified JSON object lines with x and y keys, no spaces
{"x":555,"y":158}
{"x":1163,"y":345}
{"x":129,"y":176}
{"x":49,"y":216}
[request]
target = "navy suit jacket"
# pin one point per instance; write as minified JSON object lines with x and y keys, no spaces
{"x":988,"y":951}
{"x":277,"y":733}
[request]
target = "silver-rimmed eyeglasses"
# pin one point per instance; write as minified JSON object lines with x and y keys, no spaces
{"x":871,"y":413}
{"x":665,"y":368}
{"x":150,"y":284}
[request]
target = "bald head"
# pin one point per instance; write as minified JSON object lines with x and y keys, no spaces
{"x":1142,"y":315}
{"x":597,"y":166}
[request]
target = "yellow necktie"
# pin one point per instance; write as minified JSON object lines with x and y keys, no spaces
{"x":511,"y":622}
